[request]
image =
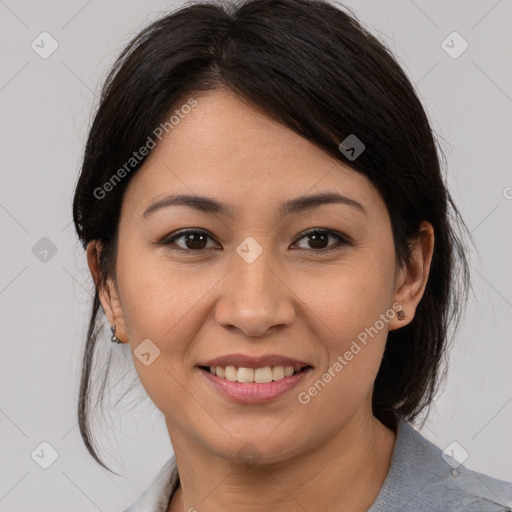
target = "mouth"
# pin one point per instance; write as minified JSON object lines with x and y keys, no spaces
{"x":261,"y":375}
{"x":253,"y":380}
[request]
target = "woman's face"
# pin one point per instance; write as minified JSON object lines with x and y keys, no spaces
{"x":252,"y":284}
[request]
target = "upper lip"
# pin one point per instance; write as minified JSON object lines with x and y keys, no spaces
{"x":244,"y":361}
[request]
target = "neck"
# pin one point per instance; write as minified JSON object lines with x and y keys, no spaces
{"x":344,"y":472}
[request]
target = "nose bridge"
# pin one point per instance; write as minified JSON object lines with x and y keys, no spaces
{"x":253,"y":264}
{"x":253,"y":273}
{"x":255,"y":298}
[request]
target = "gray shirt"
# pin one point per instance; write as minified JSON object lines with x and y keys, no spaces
{"x":419,"y":480}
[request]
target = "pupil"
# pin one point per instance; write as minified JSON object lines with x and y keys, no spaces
{"x":190,"y":240}
{"x":318,"y":237}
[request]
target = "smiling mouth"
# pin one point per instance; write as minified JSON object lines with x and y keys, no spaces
{"x":261,"y":375}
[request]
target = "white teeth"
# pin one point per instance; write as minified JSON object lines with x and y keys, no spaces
{"x":277,"y":372}
{"x":258,"y":375}
{"x":288,"y":371}
{"x":262,"y":375}
{"x":245,"y":375}
{"x":231,"y":373}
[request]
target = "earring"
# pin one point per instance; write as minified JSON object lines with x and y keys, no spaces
{"x":114,"y":338}
{"x":401,"y":314}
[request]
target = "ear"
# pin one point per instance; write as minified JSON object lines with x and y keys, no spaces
{"x":107,"y":291}
{"x":412,"y":279}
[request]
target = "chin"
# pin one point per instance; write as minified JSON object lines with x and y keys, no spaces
{"x":258,"y":448}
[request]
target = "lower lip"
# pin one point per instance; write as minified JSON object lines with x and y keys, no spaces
{"x":252,"y":392}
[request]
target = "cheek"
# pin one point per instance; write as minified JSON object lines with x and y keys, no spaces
{"x":159,"y":298}
{"x":348,"y":297}
{"x":347,"y":307}
{"x":161,"y":306}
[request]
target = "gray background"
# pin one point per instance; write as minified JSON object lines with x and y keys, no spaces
{"x":46,"y":107}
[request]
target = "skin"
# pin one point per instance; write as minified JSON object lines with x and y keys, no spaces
{"x":332,"y":453}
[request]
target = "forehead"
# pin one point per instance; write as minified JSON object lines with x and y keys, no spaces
{"x":227,"y":148}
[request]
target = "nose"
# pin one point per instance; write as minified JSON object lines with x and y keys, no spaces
{"x":255,"y":297}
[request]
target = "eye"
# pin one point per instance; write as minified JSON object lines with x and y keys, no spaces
{"x":319,"y":237}
{"x":193,"y":239}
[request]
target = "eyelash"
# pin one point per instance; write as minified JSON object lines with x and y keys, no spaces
{"x":341,"y":239}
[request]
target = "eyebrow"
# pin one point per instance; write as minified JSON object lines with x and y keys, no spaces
{"x":293,"y":206}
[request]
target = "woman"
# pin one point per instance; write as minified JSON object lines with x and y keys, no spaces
{"x":268,"y":229}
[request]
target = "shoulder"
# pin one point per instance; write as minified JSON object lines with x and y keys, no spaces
{"x":422,"y":478}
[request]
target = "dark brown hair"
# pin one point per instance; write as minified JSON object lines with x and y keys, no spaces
{"x":314,"y":68}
